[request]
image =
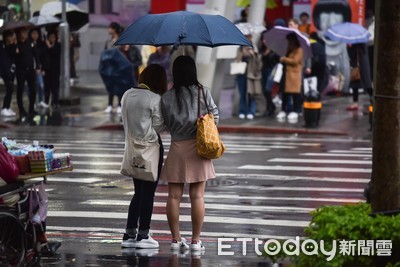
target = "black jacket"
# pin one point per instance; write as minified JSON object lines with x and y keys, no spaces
{"x":26,"y":57}
{"x":7,"y":61}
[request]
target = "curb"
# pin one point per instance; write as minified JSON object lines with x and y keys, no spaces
{"x":4,"y":126}
{"x":244,"y":129}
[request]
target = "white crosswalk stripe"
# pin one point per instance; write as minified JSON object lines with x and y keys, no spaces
{"x":273,"y":188}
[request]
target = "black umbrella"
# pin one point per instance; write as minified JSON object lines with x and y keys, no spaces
{"x":15,"y":25}
{"x":76,"y":17}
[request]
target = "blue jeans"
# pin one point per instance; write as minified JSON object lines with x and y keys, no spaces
{"x":40,"y":86}
{"x":141,"y":206}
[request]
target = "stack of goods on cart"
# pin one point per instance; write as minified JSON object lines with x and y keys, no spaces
{"x":35,"y":158}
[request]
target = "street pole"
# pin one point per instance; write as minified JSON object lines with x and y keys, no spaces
{"x":385,"y":182}
{"x":256,"y":17}
{"x":65,"y":75}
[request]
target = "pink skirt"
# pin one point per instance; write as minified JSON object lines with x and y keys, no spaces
{"x":183,"y":165}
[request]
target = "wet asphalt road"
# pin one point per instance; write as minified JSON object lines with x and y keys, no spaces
{"x":266,"y":188}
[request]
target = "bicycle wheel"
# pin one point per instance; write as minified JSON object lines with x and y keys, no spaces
{"x":12,"y":240}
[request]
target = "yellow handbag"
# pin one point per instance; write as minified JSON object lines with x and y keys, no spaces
{"x":208,"y":141}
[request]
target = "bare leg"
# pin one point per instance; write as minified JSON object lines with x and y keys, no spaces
{"x":175,"y":191}
{"x":196,"y":193}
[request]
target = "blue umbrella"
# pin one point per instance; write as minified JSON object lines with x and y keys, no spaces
{"x":116,"y":71}
{"x":182,"y":28}
{"x":349,"y":33}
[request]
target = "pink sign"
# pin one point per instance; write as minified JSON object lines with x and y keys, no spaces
{"x":195,"y":2}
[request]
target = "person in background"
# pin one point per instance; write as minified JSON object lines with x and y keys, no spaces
{"x":244,"y":14}
{"x":359,"y":58}
{"x":162,"y":57}
{"x":74,"y":53}
{"x":132,"y":53}
{"x":305,"y":26}
{"x":319,"y":67}
{"x":7,"y":69}
{"x":293,"y":65}
{"x":254,"y":86}
{"x":183,"y":165}
{"x":27,"y":64}
{"x":40,"y":48}
{"x":52,"y":69}
{"x":143,"y":120}
{"x":114,"y":30}
{"x":269,"y":61}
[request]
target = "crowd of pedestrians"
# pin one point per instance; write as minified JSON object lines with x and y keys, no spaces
{"x":32,"y":58}
{"x":285,"y":86}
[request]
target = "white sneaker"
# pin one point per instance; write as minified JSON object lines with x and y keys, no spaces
{"x":109,"y":109}
{"x":176,"y":245}
{"x":281,"y":115}
{"x":43,"y":104}
{"x":293,"y":116}
{"x":250,"y":116}
{"x":128,"y":241}
{"x":148,"y":242}
{"x":11,"y":112}
{"x":6,"y":113}
{"x":242,"y":116}
{"x":119,"y":110}
{"x":197,"y":246}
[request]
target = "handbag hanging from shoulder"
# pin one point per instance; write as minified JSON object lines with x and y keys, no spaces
{"x":355,"y":74}
{"x":140,"y":158}
{"x":238,"y":68}
{"x":208,"y":141}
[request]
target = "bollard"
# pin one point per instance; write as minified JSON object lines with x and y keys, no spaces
{"x":370,"y":111}
{"x":312,"y":108}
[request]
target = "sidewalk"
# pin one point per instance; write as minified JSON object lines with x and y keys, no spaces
{"x":335,"y":120}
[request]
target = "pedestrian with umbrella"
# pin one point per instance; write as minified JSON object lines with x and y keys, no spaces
{"x":114,"y":30}
{"x":293,"y":66}
{"x":7,"y":69}
{"x":27,"y":65}
{"x":183,"y":164}
{"x":39,"y":46}
{"x":356,"y":37}
{"x":52,"y":68}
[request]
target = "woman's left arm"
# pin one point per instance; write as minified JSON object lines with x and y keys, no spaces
{"x":157,"y":117}
{"x":211,"y":105}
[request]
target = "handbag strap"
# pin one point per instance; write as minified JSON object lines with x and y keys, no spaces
{"x":201,"y":91}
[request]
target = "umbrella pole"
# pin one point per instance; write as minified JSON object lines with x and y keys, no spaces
{"x":65,"y":75}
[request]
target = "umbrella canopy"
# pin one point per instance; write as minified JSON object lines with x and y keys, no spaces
{"x":116,"y":71}
{"x":15,"y":25}
{"x":249,"y":28}
{"x":76,"y":17}
{"x":44,"y":20}
{"x":183,"y":28}
{"x":349,"y":33}
{"x":276,"y":40}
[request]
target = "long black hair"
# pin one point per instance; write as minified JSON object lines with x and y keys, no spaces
{"x":184,"y":74}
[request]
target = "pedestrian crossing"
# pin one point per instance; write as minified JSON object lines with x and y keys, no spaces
{"x":266,"y":187}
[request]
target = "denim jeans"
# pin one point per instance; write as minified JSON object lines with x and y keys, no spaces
{"x":242,"y":85}
{"x":141,"y":207}
{"x":40,"y":86}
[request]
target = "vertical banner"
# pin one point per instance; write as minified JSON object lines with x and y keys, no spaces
{"x":325,"y":13}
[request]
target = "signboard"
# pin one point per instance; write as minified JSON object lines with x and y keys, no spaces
{"x":325,"y":13}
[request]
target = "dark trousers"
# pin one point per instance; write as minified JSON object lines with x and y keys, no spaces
{"x":355,"y":93}
{"x":9,"y":91}
{"x":26,"y":75}
{"x":296,"y":98}
{"x":111,"y":98}
{"x":141,"y":207}
{"x":52,"y":87}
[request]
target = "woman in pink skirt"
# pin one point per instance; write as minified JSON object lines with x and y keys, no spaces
{"x":183,"y":165}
